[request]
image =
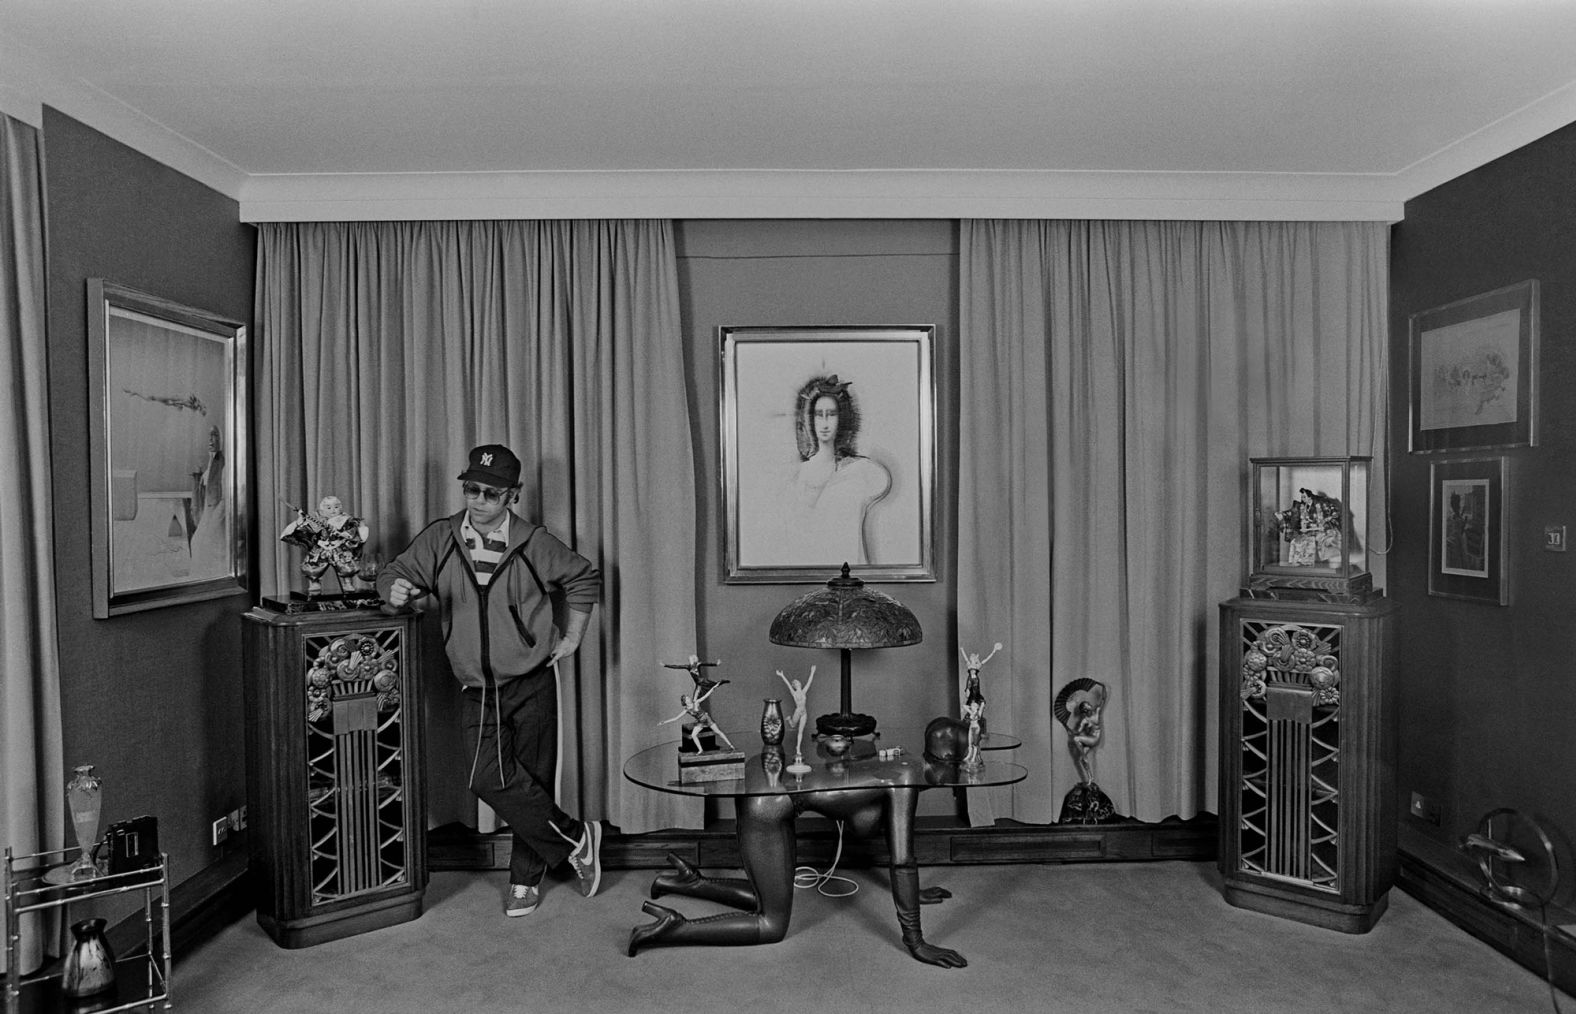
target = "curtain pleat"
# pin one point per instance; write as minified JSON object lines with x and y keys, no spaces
{"x":32,"y":805}
{"x":1115,"y":379}
{"x":390,"y":349}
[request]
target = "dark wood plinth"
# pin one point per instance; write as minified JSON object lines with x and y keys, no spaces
{"x":1329,"y":913}
{"x":938,"y":841}
{"x":323,"y":926}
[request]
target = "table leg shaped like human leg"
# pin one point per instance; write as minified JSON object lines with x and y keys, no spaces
{"x":906,"y":895}
{"x":766,"y":844}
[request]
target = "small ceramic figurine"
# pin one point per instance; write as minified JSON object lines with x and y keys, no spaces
{"x":972,"y":695}
{"x":798,"y":691}
{"x":702,"y":719}
{"x":332,"y":538}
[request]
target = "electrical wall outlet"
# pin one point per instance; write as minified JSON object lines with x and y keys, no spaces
{"x":221,"y":829}
{"x":238,"y":819}
{"x":1424,"y":809}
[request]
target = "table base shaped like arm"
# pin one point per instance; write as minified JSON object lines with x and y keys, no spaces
{"x":767,"y":846}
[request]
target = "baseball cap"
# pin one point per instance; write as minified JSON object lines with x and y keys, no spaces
{"x":493,"y":464}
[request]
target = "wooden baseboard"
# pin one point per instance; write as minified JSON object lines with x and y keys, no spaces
{"x":1449,"y":883}
{"x":937,"y":842}
{"x":224,"y":892}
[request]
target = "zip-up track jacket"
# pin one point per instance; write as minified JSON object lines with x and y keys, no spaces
{"x":505,"y":628}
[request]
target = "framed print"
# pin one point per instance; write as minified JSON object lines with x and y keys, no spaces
{"x":1466,"y":539}
{"x":168,"y":451}
{"x":1474,"y":372}
{"x":828,"y":453}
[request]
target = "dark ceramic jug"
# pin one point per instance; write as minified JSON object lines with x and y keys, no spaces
{"x":90,"y":967}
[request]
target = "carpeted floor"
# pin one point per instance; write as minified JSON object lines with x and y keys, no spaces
{"x":1131,"y":937}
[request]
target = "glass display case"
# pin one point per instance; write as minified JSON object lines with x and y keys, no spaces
{"x":1309,"y":529}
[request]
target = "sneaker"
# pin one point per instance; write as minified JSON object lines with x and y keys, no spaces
{"x":522,"y":899}
{"x":586,"y":859}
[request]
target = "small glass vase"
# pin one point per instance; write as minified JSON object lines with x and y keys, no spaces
{"x":90,"y":965}
{"x":772,"y":722}
{"x":84,"y":798}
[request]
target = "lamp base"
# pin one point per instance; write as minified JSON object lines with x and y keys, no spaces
{"x":844,"y":724}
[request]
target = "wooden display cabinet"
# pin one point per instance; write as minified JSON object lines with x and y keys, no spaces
{"x":1307,"y":759}
{"x":335,"y":771}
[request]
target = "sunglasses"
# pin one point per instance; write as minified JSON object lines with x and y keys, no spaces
{"x":474,"y":491}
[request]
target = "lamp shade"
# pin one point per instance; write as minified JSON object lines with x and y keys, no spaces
{"x":845,"y":615}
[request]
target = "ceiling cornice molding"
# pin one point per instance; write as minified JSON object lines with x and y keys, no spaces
{"x":820,"y":194}
{"x":39,"y":85}
{"x":27,"y":84}
{"x":1514,"y":130}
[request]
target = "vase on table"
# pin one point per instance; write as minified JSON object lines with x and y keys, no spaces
{"x":84,"y":800}
{"x":90,"y":965}
{"x":772,"y":722}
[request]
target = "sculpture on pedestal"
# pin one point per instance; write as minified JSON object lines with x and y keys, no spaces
{"x":1079,"y":707}
{"x":798,"y":691}
{"x":700,"y":758}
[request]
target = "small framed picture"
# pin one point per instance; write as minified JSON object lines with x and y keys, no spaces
{"x":1467,"y":542}
{"x":1474,"y":372}
{"x":828,"y":453}
{"x":168,"y":451}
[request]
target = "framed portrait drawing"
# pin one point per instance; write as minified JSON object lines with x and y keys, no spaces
{"x":168,"y":451}
{"x":828,"y":453}
{"x":1466,"y":538}
{"x":1474,"y":372}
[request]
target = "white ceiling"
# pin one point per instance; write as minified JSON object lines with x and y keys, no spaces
{"x":828,"y":108}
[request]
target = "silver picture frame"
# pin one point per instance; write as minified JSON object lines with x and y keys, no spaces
{"x":169,"y":454}
{"x":801,"y":498}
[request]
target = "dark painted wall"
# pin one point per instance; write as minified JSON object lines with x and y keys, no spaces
{"x":1488,"y":693}
{"x":808,"y":272}
{"x":153,"y":699}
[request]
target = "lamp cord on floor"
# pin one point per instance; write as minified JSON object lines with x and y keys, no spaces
{"x":806,"y":877}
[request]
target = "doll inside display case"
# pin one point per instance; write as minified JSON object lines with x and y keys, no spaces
{"x":1310,"y":522}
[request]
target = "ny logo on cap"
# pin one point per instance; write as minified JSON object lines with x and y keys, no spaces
{"x":487,"y":458}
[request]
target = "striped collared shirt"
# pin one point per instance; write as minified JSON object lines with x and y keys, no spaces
{"x":486,"y":550}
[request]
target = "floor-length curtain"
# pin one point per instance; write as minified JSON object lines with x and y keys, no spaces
{"x":1115,"y":379}
{"x":390,"y":349}
{"x":32,"y":808}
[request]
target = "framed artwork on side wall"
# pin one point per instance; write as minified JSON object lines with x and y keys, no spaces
{"x":168,"y":451}
{"x":828,"y":453}
{"x":1474,"y":372}
{"x":1466,"y":539}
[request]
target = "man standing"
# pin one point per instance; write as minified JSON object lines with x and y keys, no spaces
{"x":494,"y":574}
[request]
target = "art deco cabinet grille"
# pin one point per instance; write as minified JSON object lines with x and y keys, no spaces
{"x":334,"y":772}
{"x":1307,"y":804}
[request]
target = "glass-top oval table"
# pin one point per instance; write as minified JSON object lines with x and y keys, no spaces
{"x":866,"y":787}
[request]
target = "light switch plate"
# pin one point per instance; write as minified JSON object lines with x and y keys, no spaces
{"x":1554,"y":538}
